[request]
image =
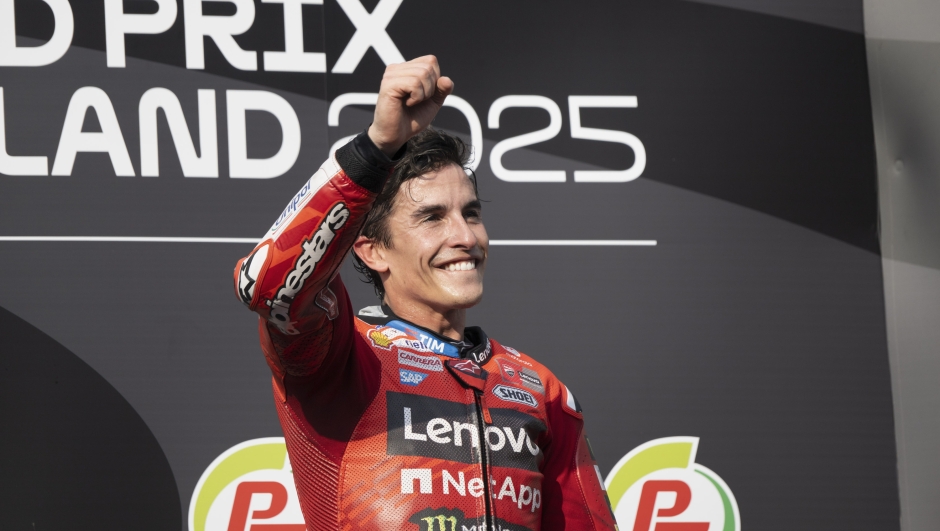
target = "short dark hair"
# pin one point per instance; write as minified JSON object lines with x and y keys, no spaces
{"x":426,"y":152}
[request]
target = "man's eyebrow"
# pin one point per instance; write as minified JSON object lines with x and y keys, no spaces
{"x":428,"y":209}
{"x":475,"y":204}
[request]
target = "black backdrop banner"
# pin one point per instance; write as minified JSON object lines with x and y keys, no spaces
{"x":713,"y":293}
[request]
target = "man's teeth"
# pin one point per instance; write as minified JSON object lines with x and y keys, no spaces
{"x":461,"y":266}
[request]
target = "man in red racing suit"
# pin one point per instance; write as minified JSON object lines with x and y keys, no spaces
{"x":390,"y":424}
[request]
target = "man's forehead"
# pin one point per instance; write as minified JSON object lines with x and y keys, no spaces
{"x":451,"y":186}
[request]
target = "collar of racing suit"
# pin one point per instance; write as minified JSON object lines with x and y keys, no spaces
{"x":474,"y":345}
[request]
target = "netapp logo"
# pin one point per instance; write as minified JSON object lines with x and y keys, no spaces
{"x":314,"y":249}
{"x":430,"y":427}
{"x":513,"y":394}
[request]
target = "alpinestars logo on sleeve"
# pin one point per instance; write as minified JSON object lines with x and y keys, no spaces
{"x":314,"y":249}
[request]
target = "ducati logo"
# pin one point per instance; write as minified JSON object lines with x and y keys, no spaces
{"x":658,"y":486}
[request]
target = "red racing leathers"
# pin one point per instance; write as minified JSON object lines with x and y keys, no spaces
{"x":384,"y":429}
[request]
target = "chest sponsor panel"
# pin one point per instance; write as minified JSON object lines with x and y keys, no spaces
{"x":441,"y":429}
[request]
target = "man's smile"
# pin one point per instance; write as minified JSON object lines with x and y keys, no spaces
{"x":462,"y":265}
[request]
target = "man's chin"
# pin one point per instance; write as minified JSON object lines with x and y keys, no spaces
{"x":464,"y":299}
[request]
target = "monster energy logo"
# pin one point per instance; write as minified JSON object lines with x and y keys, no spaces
{"x":442,"y":522}
{"x":443,"y":519}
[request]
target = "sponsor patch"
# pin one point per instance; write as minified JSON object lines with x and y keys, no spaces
{"x":248,"y":273}
{"x":410,"y":377}
{"x":481,"y":357}
{"x":313,"y":251}
{"x":468,"y":373}
{"x":327,"y":302}
{"x":300,"y":200}
{"x":386,"y":337}
{"x":430,"y":427}
{"x":468,"y":367}
{"x":428,"y":341}
{"x":530,"y":379}
{"x":511,"y":350}
{"x":413,"y":359}
{"x":383,"y":336}
{"x":444,"y":519}
{"x":513,"y":394}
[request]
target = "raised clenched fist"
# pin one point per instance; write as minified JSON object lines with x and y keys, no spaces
{"x":409,"y":98}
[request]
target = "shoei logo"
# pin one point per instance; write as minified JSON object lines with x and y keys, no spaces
{"x":658,"y":486}
{"x":250,"y":486}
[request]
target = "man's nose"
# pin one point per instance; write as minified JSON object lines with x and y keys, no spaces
{"x":462,"y":235}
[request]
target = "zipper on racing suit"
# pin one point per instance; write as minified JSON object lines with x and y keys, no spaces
{"x":483,"y":418}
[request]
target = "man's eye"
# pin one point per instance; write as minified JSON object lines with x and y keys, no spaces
{"x":475,"y":214}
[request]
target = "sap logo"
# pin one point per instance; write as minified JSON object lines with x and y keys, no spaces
{"x":676,"y":494}
{"x":512,"y":394}
{"x":521,"y":495}
{"x":411,"y":377}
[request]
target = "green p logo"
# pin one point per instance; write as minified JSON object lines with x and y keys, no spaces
{"x":249,"y":487}
{"x":658,"y":486}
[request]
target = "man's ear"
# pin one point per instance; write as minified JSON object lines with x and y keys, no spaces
{"x":371,"y":253}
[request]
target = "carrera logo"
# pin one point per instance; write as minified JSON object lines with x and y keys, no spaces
{"x":248,"y":273}
{"x":314,"y":249}
{"x":411,"y":377}
{"x":511,"y":394}
{"x":430,"y":427}
{"x":429,"y":363}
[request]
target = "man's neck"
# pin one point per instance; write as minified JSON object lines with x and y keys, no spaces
{"x":449,"y":323}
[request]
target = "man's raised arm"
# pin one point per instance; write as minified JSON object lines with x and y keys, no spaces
{"x":288,"y":279}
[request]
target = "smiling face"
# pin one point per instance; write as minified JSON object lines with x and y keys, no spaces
{"x":438,"y":245}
